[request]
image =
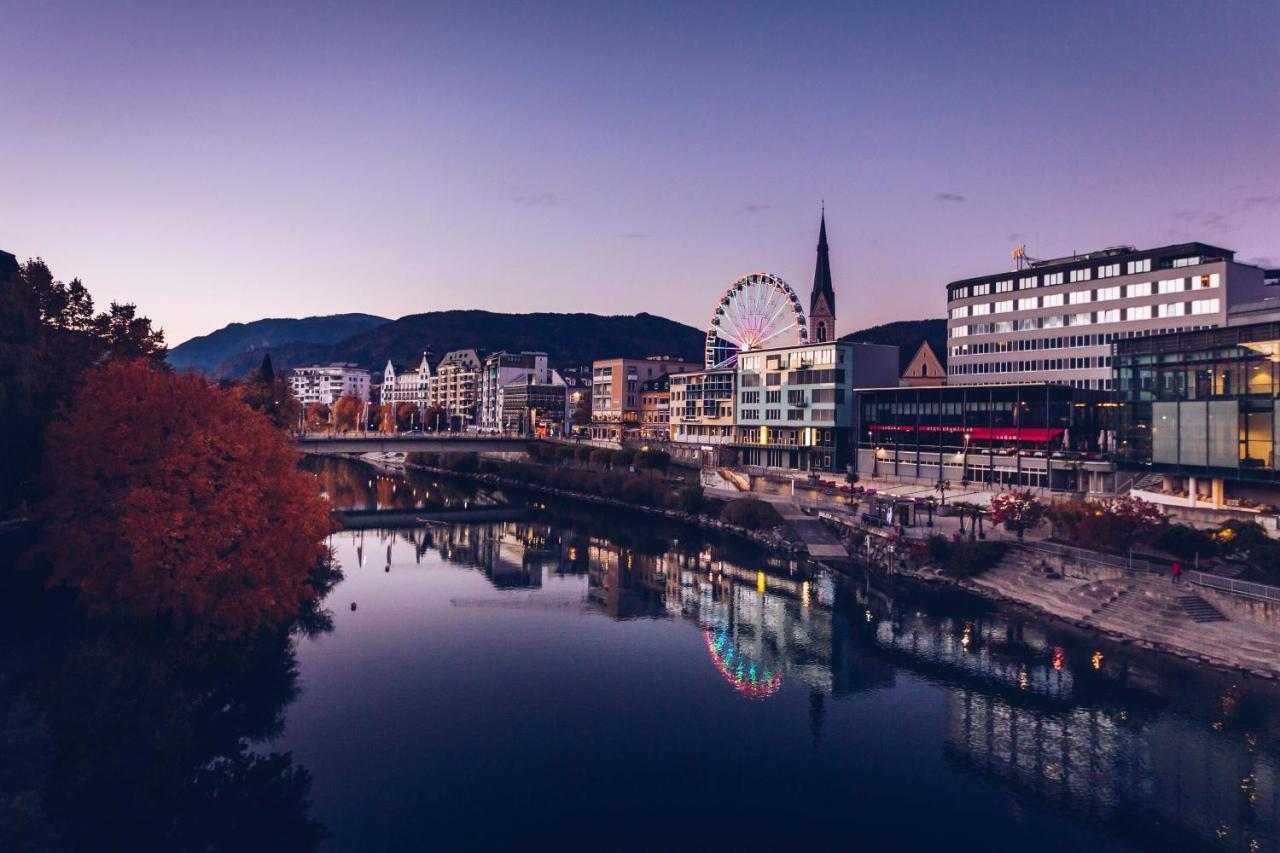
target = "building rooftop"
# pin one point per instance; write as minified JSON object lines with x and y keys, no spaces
{"x":1205,"y":251}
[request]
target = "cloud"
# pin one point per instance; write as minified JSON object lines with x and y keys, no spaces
{"x":537,"y":200}
{"x":755,"y":207}
{"x":1266,"y":201}
{"x":1193,"y":223}
{"x":945,"y":197}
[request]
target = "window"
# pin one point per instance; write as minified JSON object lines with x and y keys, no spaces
{"x":1053,"y":300}
{"x":1171,"y":309}
{"x":1027,"y":303}
{"x":1190,"y":261}
{"x":1003,"y":306}
{"x":773,"y":414}
{"x":1054,"y":322}
{"x":773,"y":396}
{"x":962,"y":311}
{"x":1205,"y":306}
{"x":1111,"y":315}
{"x":1004,"y":286}
{"x":750,"y":414}
{"x":750,"y":396}
{"x":1081,"y":275}
{"x":981,"y":309}
{"x":1107,"y":293}
{"x":1142,"y":288}
{"x":1142,"y":312}
{"x":960,"y":293}
{"x":1026,"y":282}
{"x":1052,"y":278}
{"x":981,"y":289}
{"x":959,"y":331}
{"x":1205,"y":282}
{"x":1026,"y":325}
{"x":1081,"y":319}
{"x":1139,"y":266}
{"x":1171,"y":285}
{"x":1081,"y":297}
{"x":1108,"y":271}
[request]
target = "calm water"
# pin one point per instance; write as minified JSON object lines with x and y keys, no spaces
{"x":579,"y":679}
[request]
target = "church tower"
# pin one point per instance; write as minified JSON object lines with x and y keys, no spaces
{"x":822,"y":302}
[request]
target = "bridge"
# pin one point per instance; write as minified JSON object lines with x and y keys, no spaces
{"x":373,"y":442}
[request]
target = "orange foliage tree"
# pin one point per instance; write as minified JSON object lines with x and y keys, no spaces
{"x":346,"y":413}
{"x":406,"y":415}
{"x":180,"y":504}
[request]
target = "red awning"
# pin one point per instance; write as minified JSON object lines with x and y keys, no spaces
{"x":1031,"y":434}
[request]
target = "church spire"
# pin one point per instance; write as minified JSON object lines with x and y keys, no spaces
{"x":822,"y":301}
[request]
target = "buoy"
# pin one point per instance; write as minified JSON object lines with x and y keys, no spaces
{"x":353,"y":606}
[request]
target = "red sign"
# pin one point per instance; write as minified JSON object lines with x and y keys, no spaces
{"x":1030,"y":434}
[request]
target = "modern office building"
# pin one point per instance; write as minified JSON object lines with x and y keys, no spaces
{"x":615,"y":392}
{"x":527,"y":406}
{"x":1202,"y":410}
{"x":794,"y":406}
{"x":454,"y":387}
{"x":1040,"y":435}
{"x":501,"y":369}
{"x":701,"y":416}
{"x":326,"y":383}
{"x":407,"y":385}
{"x":1056,"y":320}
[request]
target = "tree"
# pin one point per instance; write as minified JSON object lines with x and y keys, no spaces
{"x":582,"y":410}
{"x":434,"y":419}
{"x":1017,"y":511}
{"x":406,"y":416}
{"x":653,"y":460}
{"x":270,"y":395}
{"x":267,"y":372}
{"x":181,"y":505}
{"x":126,"y":335}
{"x":317,"y":416}
{"x":346,"y":413}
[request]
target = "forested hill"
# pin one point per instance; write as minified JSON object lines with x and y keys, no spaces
{"x":208,"y":352}
{"x":907,"y":336}
{"x":569,"y":339}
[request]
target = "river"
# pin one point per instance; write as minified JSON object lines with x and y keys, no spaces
{"x":582,"y":678}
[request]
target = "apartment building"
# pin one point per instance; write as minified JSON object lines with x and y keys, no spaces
{"x":501,"y":369}
{"x":326,"y":383}
{"x":615,"y":392}
{"x":454,"y":387}
{"x":407,"y":385}
{"x":701,"y":416}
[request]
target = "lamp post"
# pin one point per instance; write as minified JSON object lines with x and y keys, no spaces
{"x":943,"y":486}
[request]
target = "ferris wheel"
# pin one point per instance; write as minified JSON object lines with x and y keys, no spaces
{"x":756,"y":311}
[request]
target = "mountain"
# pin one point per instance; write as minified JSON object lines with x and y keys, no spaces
{"x":207,"y":352}
{"x":569,"y":339}
{"x":907,"y":336}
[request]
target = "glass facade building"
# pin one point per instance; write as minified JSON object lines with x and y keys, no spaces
{"x":1202,"y":404}
{"x":1040,"y":435}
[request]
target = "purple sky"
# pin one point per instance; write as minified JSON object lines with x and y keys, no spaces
{"x":230,"y":162}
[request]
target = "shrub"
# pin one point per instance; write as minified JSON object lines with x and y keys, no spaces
{"x":966,"y":559}
{"x":937,"y":547}
{"x":653,"y":460}
{"x":600,"y":457}
{"x":583,"y":453}
{"x":622,"y":458}
{"x":751,"y":513}
{"x":1183,"y":541}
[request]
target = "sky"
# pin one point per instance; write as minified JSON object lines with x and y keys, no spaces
{"x":226,"y":162}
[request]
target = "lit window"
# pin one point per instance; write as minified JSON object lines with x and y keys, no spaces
{"x":1108,"y":271}
{"x":1026,"y":282}
{"x":1139,"y":266}
{"x":1081,"y":297}
{"x":1108,"y":293}
{"x":1111,"y":315}
{"x":1172,"y":285}
{"x":1004,"y":286}
{"x":1052,"y":278}
{"x":1003,"y":306}
{"x":1081,"y":319}
{"x":1053,"y":300}
{"x":981,"y":309}
{"x":1081,"y":275}
{"x":1205,"y":306}
{"x":1142,"y":288}
{"x":962,"y":311}
{"x":1142,"y":312}
{"x":981,"y":289}
{"x":1027,"y":303}
{"x":1171,"y":309}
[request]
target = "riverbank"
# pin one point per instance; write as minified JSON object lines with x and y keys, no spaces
{"x":1141,"y":611}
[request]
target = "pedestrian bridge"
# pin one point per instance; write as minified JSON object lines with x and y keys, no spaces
{"x":357,"y":442}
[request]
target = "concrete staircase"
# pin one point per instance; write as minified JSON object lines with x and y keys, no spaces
{"x":1200,"y":610}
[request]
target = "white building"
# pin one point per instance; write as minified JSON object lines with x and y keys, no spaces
{"x":500,"y":370}
{"x":325,"y":384}
{"x":407,"y":386}
{"x":1055,"y":321}
{"x":454,"y":387}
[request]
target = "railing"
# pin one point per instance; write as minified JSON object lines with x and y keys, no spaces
{"x":1231,"y":586}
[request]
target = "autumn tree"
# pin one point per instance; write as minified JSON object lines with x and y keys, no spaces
{"x":434,"y":419}
{"x":317,"y":415}
{"x":1017,"y":511}
{"x":271,"y":395}
{"x":406,"y":416}
{"x":346,"y":413}
{"x":180,"y":505}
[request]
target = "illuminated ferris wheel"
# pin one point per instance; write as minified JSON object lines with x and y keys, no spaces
{"x":756,"y":311}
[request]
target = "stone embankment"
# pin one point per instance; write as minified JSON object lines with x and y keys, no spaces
{"x":1143,"y":610}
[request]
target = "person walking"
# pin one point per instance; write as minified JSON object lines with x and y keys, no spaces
{"x":1175,"y":573}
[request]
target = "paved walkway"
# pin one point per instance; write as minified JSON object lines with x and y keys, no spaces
{"x":820,"y":542}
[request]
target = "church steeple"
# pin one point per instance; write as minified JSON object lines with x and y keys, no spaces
{"x":822,"y":301}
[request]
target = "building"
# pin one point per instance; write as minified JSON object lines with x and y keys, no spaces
{"x":794,"y":406}
{"x":701,"y":416}
{"x":407,"y":386}
{"x":655,"y":406}
{"x":454,"y":387}
{"x":531,"y":407}
{"x":615,"y":392}
{"x":923,"y":369}
{"x":1056,"y":320}
{"x":325,"y":384}
{"x":501,"y":369}
{"x":1041,"y":435}
{"x":1202,"y":411}
{"x":822,"y":301}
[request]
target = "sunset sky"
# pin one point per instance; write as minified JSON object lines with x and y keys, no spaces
{"x":225,"y":162}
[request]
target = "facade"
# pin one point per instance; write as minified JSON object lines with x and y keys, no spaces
{"x":615,"y":392}
{"x":1040,"y":435}
{"x":455,"y":385}
{"x":325,"y":384}
{"x":923,"y":369}
{"x":794,"y":406}
{"x":655,"y":406}
{"x":501,"y":369}
{"x":702,"y":417}
{"x":407,"y":386}
{"x":822,"y":300}
{"x":1056,"y":320}
{"x":527,"y":406}
{"x":1202,"y":409}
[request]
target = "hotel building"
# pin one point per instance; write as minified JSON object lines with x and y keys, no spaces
{"x":702,"y":416}
{"x":1056,"y":320}
{"x":325,"y":384}
{"x":615,"y":392}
